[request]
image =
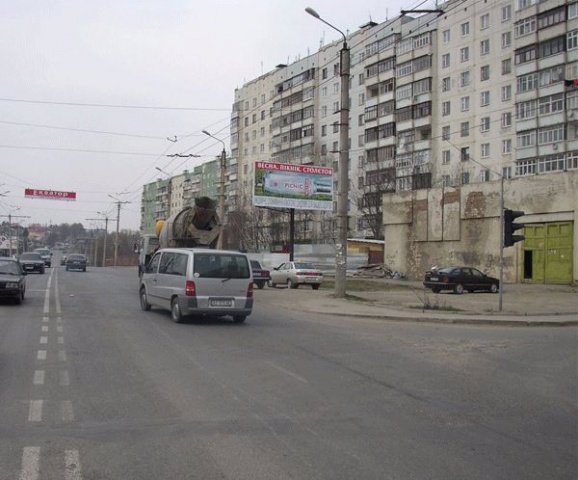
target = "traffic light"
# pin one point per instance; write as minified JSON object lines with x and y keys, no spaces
{"x":510,"y":227}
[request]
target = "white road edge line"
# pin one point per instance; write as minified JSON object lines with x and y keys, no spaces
{"x":72,"y":465}
{"x":35,"y":411}
{"x":30,"y":463}
{"x":287,"y":372}
{"x":47,"y":294}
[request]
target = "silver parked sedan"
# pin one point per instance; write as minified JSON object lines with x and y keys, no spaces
{"x":294,"y":274}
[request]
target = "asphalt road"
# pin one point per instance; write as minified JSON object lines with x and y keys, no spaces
{"x":91,"y":387}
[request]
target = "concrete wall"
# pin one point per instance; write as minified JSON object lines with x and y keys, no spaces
{"x":461,"y":225}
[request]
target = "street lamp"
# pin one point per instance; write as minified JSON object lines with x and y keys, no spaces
{"x":343,"y":182}
{"x":222,"y":190}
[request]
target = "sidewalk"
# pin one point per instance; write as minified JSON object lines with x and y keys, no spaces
{"x":522,"y":304}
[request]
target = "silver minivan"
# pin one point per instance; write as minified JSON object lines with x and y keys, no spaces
{"x":196,"y":281}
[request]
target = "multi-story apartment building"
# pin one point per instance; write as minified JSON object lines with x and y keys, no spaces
{"x":164,"y":197}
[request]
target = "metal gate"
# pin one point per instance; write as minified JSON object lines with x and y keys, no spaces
{"x":548,"y":253}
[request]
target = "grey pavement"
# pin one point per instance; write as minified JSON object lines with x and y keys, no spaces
{"x":522,"y":304}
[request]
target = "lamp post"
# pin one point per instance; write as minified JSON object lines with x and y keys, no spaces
{"x":343,"y":183}
{"x":105,"y":215}
{"x":221,"y":189}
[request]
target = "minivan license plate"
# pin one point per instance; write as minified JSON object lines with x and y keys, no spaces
{"x":220,"y":302}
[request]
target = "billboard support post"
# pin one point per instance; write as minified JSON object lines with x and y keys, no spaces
{"x":291,"y":234}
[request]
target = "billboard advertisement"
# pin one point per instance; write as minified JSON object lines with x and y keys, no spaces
{"x":49,"y":194}
{"x":303,"y":187}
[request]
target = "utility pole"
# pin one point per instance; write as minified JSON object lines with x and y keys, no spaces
{"x":105,"y":215}
{"x":221,"y":190}
{"x":116,"y":237}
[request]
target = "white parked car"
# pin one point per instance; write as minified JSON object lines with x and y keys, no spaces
{"x":294,"y":274}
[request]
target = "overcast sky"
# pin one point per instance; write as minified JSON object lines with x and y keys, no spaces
{"x":71,"y":68}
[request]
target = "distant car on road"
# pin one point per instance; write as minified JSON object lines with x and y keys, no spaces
{"x":32,"y":262}
{"x":261,"y":276}
{"x":12,"y":280}
{"x":76,"y":261}
{"x":63,"y":260}
{"x":46,"y":255}
{"x":460,"y":279}
{"x":294,"y":274}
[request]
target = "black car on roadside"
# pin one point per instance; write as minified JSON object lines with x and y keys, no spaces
{"x":12,"y":280}
{"x":76,"y":261}
{"x":460,"y":280}
{"x":32,"y":262}
{"x":260,"y":275}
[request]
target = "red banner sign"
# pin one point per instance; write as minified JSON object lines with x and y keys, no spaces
{"x":49,"y":194}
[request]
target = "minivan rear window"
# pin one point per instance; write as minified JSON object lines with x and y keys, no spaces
{"x":221,"y":265}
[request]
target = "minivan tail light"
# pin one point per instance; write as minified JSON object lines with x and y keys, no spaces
{"x":190,"y":289}
{"x":250,"y":290}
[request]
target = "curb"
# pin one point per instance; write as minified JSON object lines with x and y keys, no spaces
{"x":455,"y":321}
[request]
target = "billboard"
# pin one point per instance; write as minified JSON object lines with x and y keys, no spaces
{"x":49,"y":194}
{"x":303,"y":187}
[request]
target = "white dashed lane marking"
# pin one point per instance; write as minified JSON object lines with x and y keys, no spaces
{"x":61,"y":356}
{"x":38,"y":377}
{"x":72,"y":465}
{"x":43,"y":340}
{"x":30,"y":463}
{"x":66,"y":411}
{"x":41,"y":355}
{"x":35,"y":411}
{"x":45,"y":328}
{"x":60,"y":340}
{"x":64,"y":378}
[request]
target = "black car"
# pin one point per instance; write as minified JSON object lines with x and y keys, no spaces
{"x":32,"y":262}
{"x":12,"y":280}
{"x":460,"y":279}
{"x":76,"y":261}
{"x":260,"y":275}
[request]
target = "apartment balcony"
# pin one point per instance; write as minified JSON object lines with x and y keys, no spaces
{"x":527,"y":68}
{"x":526,"y":152}
{"x":551,"y":61}
{"x":525,"y":40}
{"x":380,"y":142}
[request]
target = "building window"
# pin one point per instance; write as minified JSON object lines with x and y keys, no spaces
{"x":551,"y":17}
{"x":465,"y":103}
{"x":507,"y":146}
{"x":323,"y":111}
{"x":506,"y":13}
{"x":446,"y":108}
{"x":361,"y":99}
{"x":446,"y":133}
{"x":506,"y":93}
{"x":465,"y":154}
{"x":485,"y":124}
{"x":465,"y":178}
{"x":552,"y":47}
{"x":464,"y":54}
{"x":506,"y":119}
{"x":525,"y":27}
{"x":335,"y":127}
{"x":446,"y":84}
{"x":506,"y":66}
{"x":336,"y":87}
{"x":551,"y":104}
{"x":525,"y":54}
{"x":323,"y":130}
{"x":572,"y":40}
{"x":446,"y":156}
{"x":485,"y":98}
{"x":485,"y":47}
{"x":465,"y":79}
{"x":485,"y":21}
{"x":506,"y":39}
{"x":485,"y":150}
{"x":446,"y":36}
{"x":573,"y":10}
{"x":323,"y":149}
{"x":465,"y":129}
{"x":335,"y":107}
{"x":465,"y":29}
{"x":527,"y":83}
{"x":484,"y":73}
{"x":445,"y":60}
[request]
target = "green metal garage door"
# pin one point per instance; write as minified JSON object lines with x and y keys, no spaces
{"x":548,"y":253}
